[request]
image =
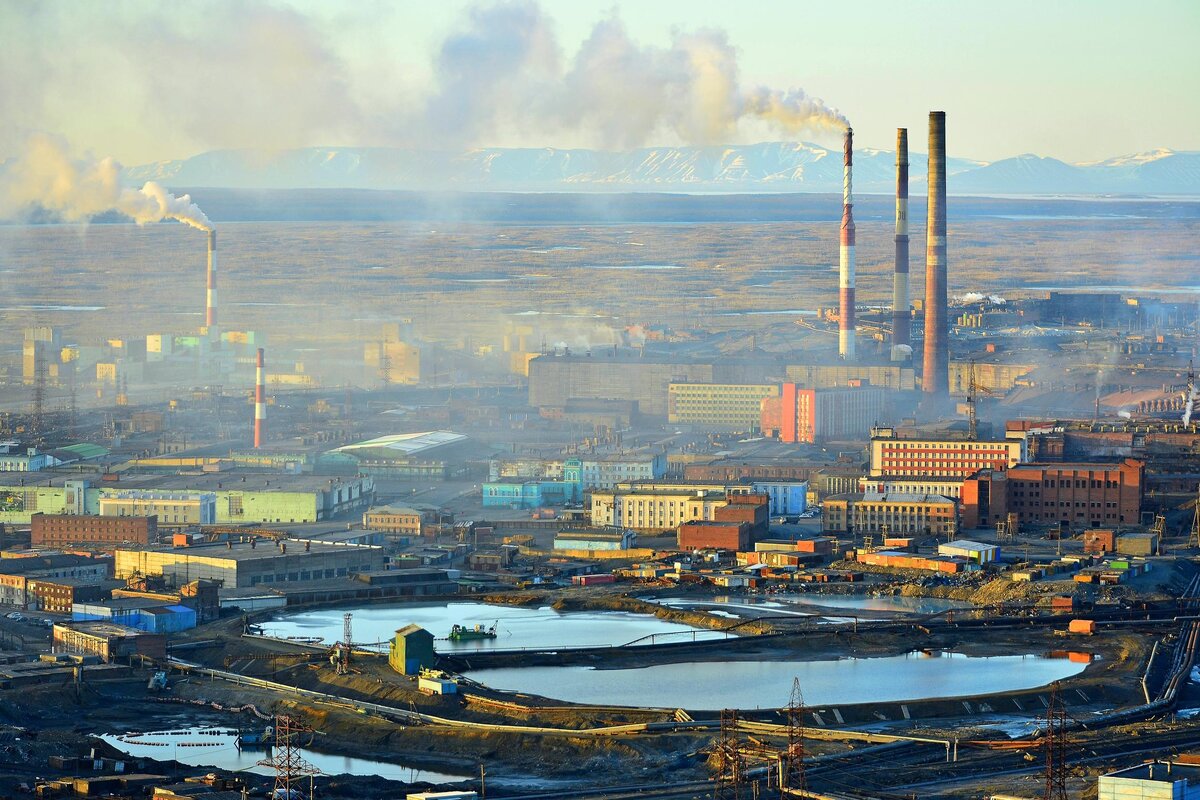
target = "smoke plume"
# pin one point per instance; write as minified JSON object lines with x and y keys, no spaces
{"x":504,"y":72}
{"x":46,"y":178}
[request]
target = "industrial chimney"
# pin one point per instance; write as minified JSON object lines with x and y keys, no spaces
{"x":935,"y":377}
{"x":210,"y":305}
{"x":901,"y":319}
{"x":846,"y":269}
{"x":260,"y":401}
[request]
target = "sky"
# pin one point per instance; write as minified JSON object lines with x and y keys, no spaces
{"x":1078,"y":80}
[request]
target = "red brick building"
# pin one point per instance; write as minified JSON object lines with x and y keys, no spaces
{"x":752,"y":509}
{"x":1085,"y":495}
{"x":710,"y":534}
{"x":64,"y":530}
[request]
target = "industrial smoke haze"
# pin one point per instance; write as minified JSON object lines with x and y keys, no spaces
{"x":503,"y":71}
{"x":46,"y":177}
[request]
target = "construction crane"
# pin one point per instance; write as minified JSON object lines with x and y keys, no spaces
{"x":973,"y":389}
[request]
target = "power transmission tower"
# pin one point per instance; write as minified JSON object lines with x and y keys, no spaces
{"x":385,"y":365}
{"x":343,"y":667}
{"x":290,"y":768}
{"x":791,"y":768}
{"x":1055,"y":743}
{"x":731,"y":768}
{"x":38,"y":418}
{"x":972,"y":419}
{"x":1194,"y":539}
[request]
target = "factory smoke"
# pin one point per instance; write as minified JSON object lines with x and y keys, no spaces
{"x":45,"y":178}
{"x":503,"y":72}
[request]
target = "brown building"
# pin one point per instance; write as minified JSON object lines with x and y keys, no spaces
{"x":63,"y":530}
{"x":56,"y":595}
{"x":108,"y":641}
{"x":394,"y":519}
{"x":710,"y":534}
{"x":1084,"y":495}
{"x":752,"y":509}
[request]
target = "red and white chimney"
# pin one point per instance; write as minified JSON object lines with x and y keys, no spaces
{"x":846,"y":326}
{"x":210,"y":305}
{"x":901,"y":319}
{"x":260,"y":401}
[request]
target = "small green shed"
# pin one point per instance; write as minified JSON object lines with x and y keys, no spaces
{"x":412,"y":648}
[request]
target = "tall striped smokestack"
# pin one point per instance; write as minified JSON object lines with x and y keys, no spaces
{"x":210,"y":304}
{"x":935,"y":378}
{"x":901,"y":319}
{"x":260,"y":401}
{"x":846,"y":267}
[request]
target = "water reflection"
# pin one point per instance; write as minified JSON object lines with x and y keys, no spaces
{"x":516,"y":626}
{"x":767,"y":684}
{"x":217,"y":748}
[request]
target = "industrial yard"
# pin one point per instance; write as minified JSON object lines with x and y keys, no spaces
{"x":345,"y":494}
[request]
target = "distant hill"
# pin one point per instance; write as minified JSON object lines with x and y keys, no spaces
{"x":763,"y":167}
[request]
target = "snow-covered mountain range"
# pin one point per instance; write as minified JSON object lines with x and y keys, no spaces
{"x":764,"y":167}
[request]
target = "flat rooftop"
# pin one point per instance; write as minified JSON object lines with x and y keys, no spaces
{"x":1167,"y":772}
{"x":230,"y":481}
{"x":244,"y":551}
{"x":100,"y":628}
{"x":405,"y":444}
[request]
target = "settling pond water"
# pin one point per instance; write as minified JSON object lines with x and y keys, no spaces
{"x":215,"y":747}
{"x":768,"y":684}
{"x":808,"y":605}
{"x":516,"y":626}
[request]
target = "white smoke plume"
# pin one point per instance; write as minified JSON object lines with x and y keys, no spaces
{"x":45,"y":177}
{"x":1189,"y":405}
{"x":504,"y":72}
{"x":972,"y":298}
{"x":1123,"y":414}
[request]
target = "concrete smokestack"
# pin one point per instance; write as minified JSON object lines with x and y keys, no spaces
{"x":210,"y":305}
{"x":935,"y":377}
{"x":846,"y":266}
{"x":260,"y":401}
{"x":901,"y":319}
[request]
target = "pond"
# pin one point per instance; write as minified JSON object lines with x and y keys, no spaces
{"x":768,"y":684}
{"x":217,"y":747}
{"x":516,"y":626}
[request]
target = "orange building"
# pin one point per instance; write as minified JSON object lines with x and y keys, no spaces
{"x":1083,"y":494}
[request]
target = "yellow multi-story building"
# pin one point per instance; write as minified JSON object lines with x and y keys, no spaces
{"x":874,"y":513}
{"x":718,"y":405}
{"x":654,"y":509}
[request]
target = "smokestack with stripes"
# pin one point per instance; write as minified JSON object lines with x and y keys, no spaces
{"x":210,"y":305}
{"x":846,"y":270}
{"x":935,"y":377}
{"x":901,"y":319}
{"x":260,"y":401}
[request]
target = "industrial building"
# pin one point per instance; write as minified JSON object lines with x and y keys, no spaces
{"x":1152,"y":780}
{"x":530,"y":494}
{"x":593,"y":471}
{"x":972,"y":551}
{"x":837,"y":375}
{"x":557,"y":378}
{"x":893,"y":456}
{"x":246,"y":564}
{"x":58,"y":595}
{"x":64,"y":530}
{"x":174,"y":509}
{"x":16,"y":574}
{"x":394,"y":519}
{"x":1094,"y":495}
{"x":108,"y":641}
{"x":711,"y":534}
{"x":594,"y":539}
{"x":432,"y":455}
{"x":818,"y":415}
{"x":871,"y":513}
{"x":715,"y":406}
{"x":240,"y":497}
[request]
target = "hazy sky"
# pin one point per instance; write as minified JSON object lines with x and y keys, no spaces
{"x":1074,"y":79}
